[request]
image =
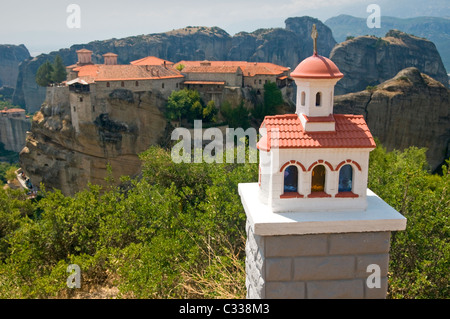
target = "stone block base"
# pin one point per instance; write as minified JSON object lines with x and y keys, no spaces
{"x":317,"y":266}
{"x":320,"y":254}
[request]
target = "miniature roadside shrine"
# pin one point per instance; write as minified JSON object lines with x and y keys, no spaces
{"x":314,"y":229}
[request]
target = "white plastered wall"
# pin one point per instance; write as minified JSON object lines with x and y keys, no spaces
{"x":311,"y":87}
{"x":272,"y":180}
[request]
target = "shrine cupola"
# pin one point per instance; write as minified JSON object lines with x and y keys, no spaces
{"x":315,"y":78}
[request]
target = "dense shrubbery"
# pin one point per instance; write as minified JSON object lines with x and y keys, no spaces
{"x":179,"y":232}
{"x":420,"y":255}
{"x":188,"y":105}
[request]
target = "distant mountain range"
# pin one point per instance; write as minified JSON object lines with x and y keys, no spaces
{"x":435,"y":29}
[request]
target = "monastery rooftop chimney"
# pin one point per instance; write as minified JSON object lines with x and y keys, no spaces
{"x":84,"y":56}
{"x":205,"y":63}
{"x":110,"y":58}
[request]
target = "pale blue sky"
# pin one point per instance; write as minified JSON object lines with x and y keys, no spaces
{"x":41,"y":25}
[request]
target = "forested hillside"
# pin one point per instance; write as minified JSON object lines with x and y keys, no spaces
{"x":179,"y":232}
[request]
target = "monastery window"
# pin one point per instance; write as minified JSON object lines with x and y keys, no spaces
{"x":162,"y":85}
{"x":345,"y":178}
{"x":122,"y":84}
{"x":303,"y":101}
{"x":108,"y":85}
{"x":136,"y":83}
{"x":260,"y":82}
{"x":318,"y":98}
{"x":291,"y":179}
{"x":81,"y":99}
{"x":318,"y":179}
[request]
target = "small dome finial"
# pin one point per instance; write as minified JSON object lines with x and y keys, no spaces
{"x":314,"y":36}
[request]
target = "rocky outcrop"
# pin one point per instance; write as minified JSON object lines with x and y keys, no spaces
{"x":368,"y":60}
{"x":286,"y":47}
{"x":13,"y":132}
{"x":411,"y":109}
{"x":61,"y":158}
{"x":434,"y":28}
{"x":302,"y":28}
{"x":10,"y":58}
{"x":28,"y":94}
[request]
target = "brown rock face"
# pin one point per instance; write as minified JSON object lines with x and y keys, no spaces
{"x":13,"y":132}
{"x":61,"y":158}
{"x":368,"y":60}
{"x":411,"y":109}
{"x":10,"y":58}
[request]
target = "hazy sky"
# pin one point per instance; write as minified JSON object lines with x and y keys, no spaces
{"x":42,"y":27}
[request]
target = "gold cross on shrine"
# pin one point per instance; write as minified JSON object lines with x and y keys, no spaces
{"x":314,"y":36}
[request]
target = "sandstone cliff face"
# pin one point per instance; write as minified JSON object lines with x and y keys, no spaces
{"x":411,"y":109}
{"x":434,"y":28}
{"x":10,"y":58}
{"x":61,"y":158}
{"x":302,"y":28}
{"x":369,"y":60}
{"x":286,"y":47}
{"x":13,"y":133}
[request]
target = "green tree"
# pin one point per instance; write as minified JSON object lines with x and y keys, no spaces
{"x":258,"y":111}
{"x":196,"y":111}
{"x":11,"y":173}
{"x":272,"y":98}
{"x":178,"y":105}
{"x":420,"y":255}
{"x":59,"y":73}
{"x":44,"y":74}
{"x":188,"y":104}
{"x":210,"y":111}
{"x":236,"y":117}
{"x":5,"y":171}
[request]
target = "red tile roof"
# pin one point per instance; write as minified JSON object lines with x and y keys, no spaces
{"x":248,"y":68}
{"x":151,"y":60}
{"x":84,"y":51}
{"x":317,"y":67}
{"x":210,"y":69}
{"x":13,"y":110}
{"x":351,"y":132}
{"x":102,"y":72}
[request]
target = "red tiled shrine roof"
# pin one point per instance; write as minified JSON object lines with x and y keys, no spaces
{"x":351,"y":132}
{"x":317,"y":67}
